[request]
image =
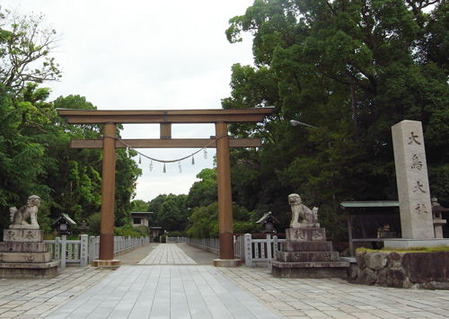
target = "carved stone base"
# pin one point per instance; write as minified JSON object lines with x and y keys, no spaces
{"x":305,"y":234}
{"x":25,"y":247}
{"x":25,"y":257}
{"x":307,"y":254}
{"x":23,"y":254}
{"x":306,"y":246}
{"x":23,"y":235}
{"x":29,"y":270}
{"x":332,"y":269}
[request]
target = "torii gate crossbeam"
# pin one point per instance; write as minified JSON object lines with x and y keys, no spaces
{"x":109,"y":143}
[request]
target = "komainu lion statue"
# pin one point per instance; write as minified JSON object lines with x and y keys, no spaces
{"x":302,"y":216}
{"x":29,"y":211}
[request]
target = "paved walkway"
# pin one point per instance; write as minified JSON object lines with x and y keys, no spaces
{"x":167,"y":255}
{"x":202,"y":291}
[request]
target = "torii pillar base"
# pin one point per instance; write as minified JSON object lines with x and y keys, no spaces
{"x":227,"y":262}
{"x":109,"y":264}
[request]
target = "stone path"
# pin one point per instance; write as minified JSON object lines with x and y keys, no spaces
{"x":336,"y":298}
{"x":34,"y":298}
{"x":202,"y":291}
{"x":168,"y":291}
{"x":169,"y":254}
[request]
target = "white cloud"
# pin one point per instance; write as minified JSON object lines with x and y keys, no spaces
{"x":146,"y":55}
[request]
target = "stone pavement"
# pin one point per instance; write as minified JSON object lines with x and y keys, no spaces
{"x":202,"y":291}
{"x":167,"y":255}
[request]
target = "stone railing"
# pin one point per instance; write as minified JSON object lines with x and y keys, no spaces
{"x":253,"y":251}
{"x":83,"y":251}
{"x":260,"y":251}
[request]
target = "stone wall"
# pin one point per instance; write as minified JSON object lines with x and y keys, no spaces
{"x":402,"y":270}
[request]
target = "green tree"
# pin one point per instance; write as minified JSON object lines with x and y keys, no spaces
{"x":171,"y":212}
{"x":127,"y":172}
{"x":204,"y":191}
{"x":25,"y":48}
{"x":76,"y":175}
{"x":204,"y":221}
{"x":139,"y":205}
{"x":35,"y":157}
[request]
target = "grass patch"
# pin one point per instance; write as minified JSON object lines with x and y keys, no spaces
{"x":405,"y":250}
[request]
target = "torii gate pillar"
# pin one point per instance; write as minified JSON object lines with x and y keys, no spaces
{"x":225,"y":221}
{"x":106,"y":255}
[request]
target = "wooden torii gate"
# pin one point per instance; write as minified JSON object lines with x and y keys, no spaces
{"x":109,"y":143}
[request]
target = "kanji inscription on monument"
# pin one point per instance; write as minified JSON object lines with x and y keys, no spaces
{"x":412,"y":180}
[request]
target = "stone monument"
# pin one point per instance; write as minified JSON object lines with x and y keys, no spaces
{"x":306,"y":253}
{"x":417,"y":224}
{"x":23,"y":253}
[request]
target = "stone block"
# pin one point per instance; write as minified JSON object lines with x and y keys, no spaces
{"x":403,"y":270}
{"x":394,"y":278}
{"x":367,"y":276}
{"x":360,"y":259}
{"x":426,"y":267}
{"x":375,"y":261}
{"x":394,"y":260}
{"x":306,"y":246}
{"x":23,"y":247}
{"x":23,"y":235}
{"x":306,"y":234}
{"x":25,"y":257}
{"x":308,"y":256}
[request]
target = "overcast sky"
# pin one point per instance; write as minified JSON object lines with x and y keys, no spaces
{"x":139,"y":54}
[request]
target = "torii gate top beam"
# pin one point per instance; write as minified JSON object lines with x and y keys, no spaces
{"x":164,"y":116}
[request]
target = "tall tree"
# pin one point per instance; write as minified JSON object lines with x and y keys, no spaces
{"x":25,"y":48}
{"x":351,"y":69}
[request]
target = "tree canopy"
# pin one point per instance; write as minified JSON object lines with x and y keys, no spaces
{"x":351,"y":70}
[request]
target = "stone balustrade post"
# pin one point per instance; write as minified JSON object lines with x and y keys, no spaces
{"x":84,"y":250}
{"x":57,"y":248}
{"x":248,"y":250}
{"x":269,"y":245}
{"x":275,"y":245}
{"x":63,"y":251}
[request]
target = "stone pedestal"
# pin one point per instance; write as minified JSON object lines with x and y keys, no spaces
{"x":400,"y":243}
{"x":307,"y":254}
{"x":23,"y":254}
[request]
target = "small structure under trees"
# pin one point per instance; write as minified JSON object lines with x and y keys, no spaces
{"x":371,"y":221}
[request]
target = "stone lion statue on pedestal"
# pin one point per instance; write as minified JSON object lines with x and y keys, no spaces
{"x":29,"y":211}
{"x":302,"y":216}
